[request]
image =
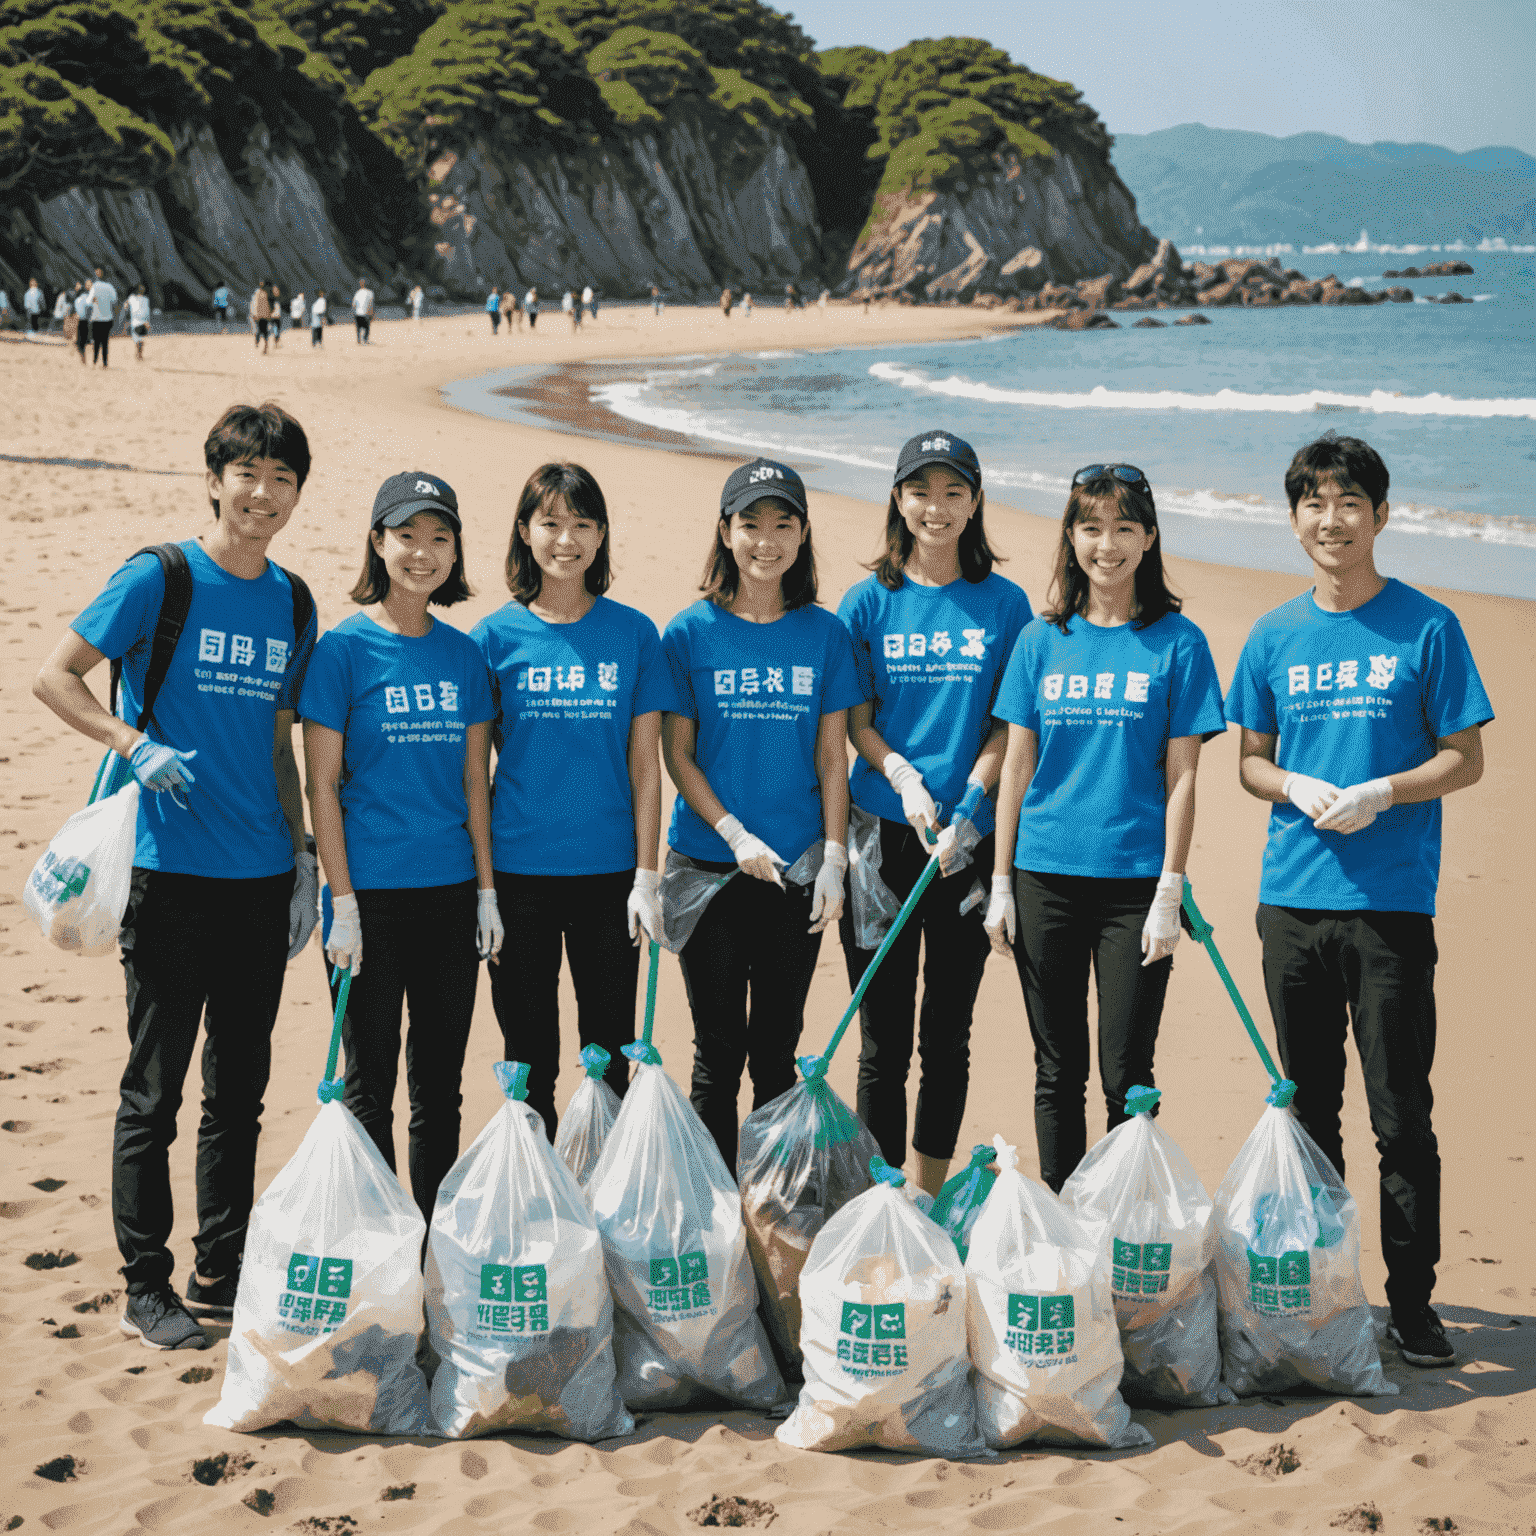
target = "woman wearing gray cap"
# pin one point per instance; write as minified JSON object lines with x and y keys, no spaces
{"x":397,"y":718}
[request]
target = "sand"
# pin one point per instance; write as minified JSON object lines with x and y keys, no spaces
{"x":1457,"y":1443}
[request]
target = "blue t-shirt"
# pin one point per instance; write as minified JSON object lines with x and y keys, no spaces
{"x":930,"y":660}
{"x":493,"y":303}
{"x":566,"y":695}
{"x":221,"y":298}
{"x":758,"y":692}
{"x":1356,"y":696}
{"x":403,"y":704}
{"x":238,"y":664}
{"x":1104,"y":704}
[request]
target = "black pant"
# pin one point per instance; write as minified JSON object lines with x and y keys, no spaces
{"x":195,"y":948}
{"x":954,"y":956}
{"x":101,"y":336}
{"x":1375,"y":971}
{"x":418,"y":952}
{"x":362,"y":322}
{"x":584,"y":914}
{"x":1066,"y":922}
{"x":316,"y":335}
{"x":751,"y":938}
{"x":495,"y":320}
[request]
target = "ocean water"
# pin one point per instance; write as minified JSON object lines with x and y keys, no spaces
{"x":1211,"y":414}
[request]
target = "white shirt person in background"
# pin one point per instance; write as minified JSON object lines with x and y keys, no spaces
{"x":362,"y":309}
{"x":317,"y":320}
{"x":138,"y":320}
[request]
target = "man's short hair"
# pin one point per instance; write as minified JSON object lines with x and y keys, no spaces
{"x":246,"y":432}
{"x":1345,"y":460}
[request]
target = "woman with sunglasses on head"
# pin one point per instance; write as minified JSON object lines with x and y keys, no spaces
{"x":579,"y":682}
{"x":932,"y":631}
{"x":1108,"y":696}
{"x":757,"y":744}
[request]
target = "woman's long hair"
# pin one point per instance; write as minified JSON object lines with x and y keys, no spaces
{"x":1068,"y":594}
{"x":372,"y":584}
{"x":977,"y":557}
{"x":722,"y":576}
{"x":582,"y":494}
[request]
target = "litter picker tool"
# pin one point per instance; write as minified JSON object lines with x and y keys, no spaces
{"x":642,"y":1050}
{"x":331,"y":1085}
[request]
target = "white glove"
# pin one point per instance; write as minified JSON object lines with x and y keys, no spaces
{"x":304,"y":904}
{"x":488,"y":930}
{"x":754,"y":856}
{"x":1160,"y":932}
{"x":159,"y":767}
{"x":644,"y":906}
{"x":1002,"y":915}
{"x":1310,"y":796}
{"x":1357,"y":807}
{"x":344,"y":947}
{"x":916,"y":803}
{"x":827,"y":895}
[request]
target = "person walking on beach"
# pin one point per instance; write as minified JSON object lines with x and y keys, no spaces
{"x":568,"y":307}
{"x":397,"y":723}
{"x":83,"y":307}
{"x":261,"y":315}
{"x":296,"y":308}
{"x":1361,"y":708}
{"x":932,"y":630}
{"x":656,"y":305}
{"x":416,"y":299}
{"x":531,"y":307}
{"x":138,"y":320}
{"x":317,"y":320}
{"x":221,"y":305}
{"x":103,"y":313}
{"x":362,"y":310}
{"x":61,"y":308}
{"x":276,"y":297}
{"x":580,"y":682}
{"x":223,"y":892}
{"x":1108,"y":697}
{"x":509,"y":308}
{"x":757,"y":745}
{"x":589,"y":302}
{"x":32,"y":306}
{"x":493,"y":309}
{"x":726,"y":300}
{"x":746,"y":306}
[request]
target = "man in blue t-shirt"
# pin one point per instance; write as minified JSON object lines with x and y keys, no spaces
{"x":1361,"y":708}
{"x":223,"y":891}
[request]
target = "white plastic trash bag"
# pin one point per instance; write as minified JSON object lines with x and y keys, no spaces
{"x":803,"y":1156}
{"x":78,"y":891}
{"x":518,"y":1310}
{"x":329,"y":1308}
{"x":883,"y":1333}
{"x":1151,"y":1217}
{"x":588,"y":1117}
{"x":1293,"y":1310}
{"x":1041,"y":1322}
{"x":686,"y":1329}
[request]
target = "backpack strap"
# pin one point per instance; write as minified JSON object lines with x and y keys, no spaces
{"x":303,"y":605}
{"x":174,"y":608}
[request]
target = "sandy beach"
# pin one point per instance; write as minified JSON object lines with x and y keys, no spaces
{"x":95,"y":464}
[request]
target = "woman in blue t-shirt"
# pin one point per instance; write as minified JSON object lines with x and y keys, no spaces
{"x":756,"y":742}
{"x":932,"y":631}
{"x":576,"y":810}
{"x":1108,"y":696}
{"x":397,"y":723}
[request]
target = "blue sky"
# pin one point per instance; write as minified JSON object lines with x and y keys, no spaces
{"x":1406,"y":70}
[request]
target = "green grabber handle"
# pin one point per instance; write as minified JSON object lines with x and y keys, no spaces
{"x":650,"y":991}
{"x":1201,"y":930}
{"x":331,"y":1086}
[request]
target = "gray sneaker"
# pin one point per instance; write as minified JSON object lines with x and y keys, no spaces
{"x":159,"y":1321}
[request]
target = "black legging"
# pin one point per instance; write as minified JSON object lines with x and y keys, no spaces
{"x":101,"y":337}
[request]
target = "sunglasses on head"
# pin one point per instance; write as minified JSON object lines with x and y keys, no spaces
{"x":1128,"y":473}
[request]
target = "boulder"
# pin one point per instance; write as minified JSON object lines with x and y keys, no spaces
{"x":1195,"y":319}
{"x":1454,"y":298}
{"x":1141,"y":280}
{"x":1399,"y":295}
{"x":1222,"y":293}
{"x":1059,"y":296}
{"x":1304,"y":292}
{"x":1147,"y":323}
{"x":1099,"y":292}
{"x":1448,"y":269}
{"x":1342,"y":295}
{"x":1027,"y":266}
{"x":1084,"y":320}
{"x":1167,"y":257}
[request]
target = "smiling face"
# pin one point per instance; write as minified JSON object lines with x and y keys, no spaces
{"x":936,"y":503}
{"x":1337,"y":526}
{"x":254,"y":498}
{"x":1109,"y":544}
{"x":765,"y":539}
{"x":419,"y":555}
{"x":563,"y":542}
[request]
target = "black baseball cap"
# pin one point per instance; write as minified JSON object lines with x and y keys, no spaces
{"x":402,"y":496}
{"x":760,"y":478}
{"x":939,"y":448}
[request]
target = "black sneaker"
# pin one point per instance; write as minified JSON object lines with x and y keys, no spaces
{"x":1421,"y":1338}
{"x":159,"y":1321}
{"x":215,"y":1298}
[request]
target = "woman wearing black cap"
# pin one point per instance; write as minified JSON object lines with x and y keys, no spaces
{"x":756,"y":742}
{"x":932,"y":631}
{"x":397,"y":725}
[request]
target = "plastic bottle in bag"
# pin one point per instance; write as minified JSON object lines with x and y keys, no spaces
{"x":1143,"y":1201}
{"x":959,"y":1202}
{"x":329,"y":1306}
{"x":803,"y":1156}
{"x":883,"y":1333}
{"x":78,"y":891}
{"x":1041,"y":1322}
{"x":588,"y":1117}
{"x":1293,"y":1310}
{"x":686,"y":1329}
{"x":518,"y":1310}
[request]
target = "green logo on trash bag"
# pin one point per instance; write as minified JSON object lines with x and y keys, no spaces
{"x":680,"y":1284}
{"x":70,"y":876}
{"x":1140,"y":1269}
{"x":316,"y":1292}
{"x":1041,"y":1325}
{"x":869,"y":1332}
{"x":514,"y":1298}
{"x":1280,"y":1282}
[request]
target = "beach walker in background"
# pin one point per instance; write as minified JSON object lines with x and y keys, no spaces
{"x":1108,"y":696}
{"x":103,"y":312}
{"x":221,"y":306}
{"x":213,"y":639}
{"x":531,"y":307}
{"x":579,"y":684}
{"x":362,"y":310}
{"x":33,"y":305}
{"x":260,"y":310}
{"x":932,"y":630}
{"x":397,"y":721}
{"x":589,"y":301}
{"x":317,"y":312}
{"x":1360,"y":707}
{"x":493,"y":309}
{"x":82,"y":312}
{"x":416,"y":302}
{"x":756,"y":743}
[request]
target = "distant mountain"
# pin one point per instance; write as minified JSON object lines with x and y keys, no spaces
{"x":1205,"y":186}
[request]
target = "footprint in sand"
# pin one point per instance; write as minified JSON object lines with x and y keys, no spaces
{"x":62,"y":1469}
{"x":55,"y":1258}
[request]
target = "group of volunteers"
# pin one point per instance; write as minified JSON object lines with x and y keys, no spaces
{"x":1047,"y":760}
{"x":88,"y":313}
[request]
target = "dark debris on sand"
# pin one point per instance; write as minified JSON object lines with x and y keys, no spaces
{"x":1363,"y":1517}
{"x":733,"y":1511}
{"x":1272,"y":1462}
